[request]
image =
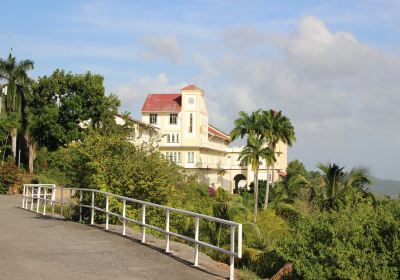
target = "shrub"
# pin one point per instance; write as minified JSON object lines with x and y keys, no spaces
{"x":9,"y":176}
{"x":362,"y":242}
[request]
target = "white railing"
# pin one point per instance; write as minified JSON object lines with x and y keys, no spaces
{"x":45,"y":194}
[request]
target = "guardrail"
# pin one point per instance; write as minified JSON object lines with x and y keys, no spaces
{"x":46,"y":194}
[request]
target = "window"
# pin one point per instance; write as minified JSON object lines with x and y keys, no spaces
{"x":153,"y":118}
{"x":173,"y":157}
{"x":190,"y":158}
{"x":173,"y":118}
{"x":173,"y":138}
{"x":190,"y":123}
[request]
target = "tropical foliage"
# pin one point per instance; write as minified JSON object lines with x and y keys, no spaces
{"x":362,"y":242}
{"x":251,"y":155}
{"x":268,"y":128}
{"x":321,"y":224}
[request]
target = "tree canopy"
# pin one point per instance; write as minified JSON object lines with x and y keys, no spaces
{"x":64,"y":104}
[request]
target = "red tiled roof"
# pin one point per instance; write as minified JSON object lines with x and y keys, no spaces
{"x":282,"y":173}
{"x":162,"y":102}
{"x":217,"y":133}
{"x":190,"y":87}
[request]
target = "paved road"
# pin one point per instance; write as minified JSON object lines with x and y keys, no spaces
{"x":35,"y":247}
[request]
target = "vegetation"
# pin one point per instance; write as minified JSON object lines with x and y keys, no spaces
{"x":360,"y":242}
{"x":252,"y":154}
{"x":323,"y":224}
{"x":9,"y":176}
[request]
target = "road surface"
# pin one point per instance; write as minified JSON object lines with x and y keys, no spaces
{"x":36,"y":247}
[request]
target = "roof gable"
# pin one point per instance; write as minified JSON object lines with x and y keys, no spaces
{"x":163,"y":102}
{"x":218,"y":133}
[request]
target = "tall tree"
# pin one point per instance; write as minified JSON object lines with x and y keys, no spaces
{"x":18,"y":83}
{"x":251,"y":155}
{"x":334,"y":187}
{"x":335,"y":182}
{"x":65,"y":105}
{"x":247,"y":125}
{"x":276,"y":128}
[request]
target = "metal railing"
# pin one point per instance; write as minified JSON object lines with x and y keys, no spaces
{"x":45,"y":194}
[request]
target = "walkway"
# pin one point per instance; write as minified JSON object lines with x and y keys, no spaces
{"x":36,"y":247}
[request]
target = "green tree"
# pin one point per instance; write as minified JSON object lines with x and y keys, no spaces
{"x":335,"y":182}
{"x":334,"y":187}
{"x":64,"y":105}
{"x":282,"y":202}
{"x":246,"y":125}
{"x":18,"y":83}
{"x":276,"y":128}
{"x":112,"y":163}
{"x":7,"y":122}
{"x":251,"y":155}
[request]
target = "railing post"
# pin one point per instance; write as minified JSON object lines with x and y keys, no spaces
{"x":80,"y":205}
{"x":232,"y":257}
{"x":62,"y":202}
{"x":32,"y":189}
{"x":123,"y":216}
{"x":38,"y":199}
{"x":92,"y":208}
{"x":107,"y":217}
{"x":196,"y":238}
{"x":167,"y":231}
{"x":23,"y":197}
{"x":70,"y":202}
{"x":53,"y":200}
{"x":45,"y":201}
{"x":26,"y":197}
{"x":143,"y":223}
{"x":240,"y":241}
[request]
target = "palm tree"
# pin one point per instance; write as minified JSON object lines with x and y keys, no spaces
{"x":335,"y":181}
{"x":329,"y":189}
{"x":17,"y":83}
{"x":276,"y":128}
{"x":247,"y":125}
{"x":282,"y":202}
{"x":252,"y":154}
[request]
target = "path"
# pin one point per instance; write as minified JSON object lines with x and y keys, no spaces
{"x":37,"y":247}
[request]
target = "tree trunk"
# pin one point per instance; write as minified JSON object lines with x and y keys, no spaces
{"x":255,"y":194}
{"x":266,"y":190}
{"x":273,"y":168}
{"x":14,"y":142}
{"x":32,"y":156}
{"x":273,"y":175}
{"x":32,"y":150}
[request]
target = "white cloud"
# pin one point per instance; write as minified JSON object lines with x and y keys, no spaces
{"x":161,"y":46}
{"x":341,"y":94}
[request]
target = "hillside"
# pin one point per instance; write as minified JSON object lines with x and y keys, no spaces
{"x":385,"y":187}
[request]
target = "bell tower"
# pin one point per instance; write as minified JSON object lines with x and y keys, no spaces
{"x":194,"y":116}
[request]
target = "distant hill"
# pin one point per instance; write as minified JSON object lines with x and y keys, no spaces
{"x":385,"y":187}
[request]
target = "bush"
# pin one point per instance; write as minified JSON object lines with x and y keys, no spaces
{"x":9,"y":176}
{"x":358,"y":243}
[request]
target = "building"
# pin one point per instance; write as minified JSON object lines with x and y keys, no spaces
{"x":188,"y":139}
{"x":141,"y":133}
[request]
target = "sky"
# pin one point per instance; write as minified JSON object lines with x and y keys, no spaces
{"x":332,"y":67}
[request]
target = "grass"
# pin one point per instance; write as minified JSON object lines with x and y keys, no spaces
{"x":246,"y":274}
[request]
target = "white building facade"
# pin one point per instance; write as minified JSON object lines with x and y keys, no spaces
{"x":187,"y":138}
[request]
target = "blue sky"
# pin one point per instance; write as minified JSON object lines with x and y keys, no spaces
{"x":332,"y":66}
